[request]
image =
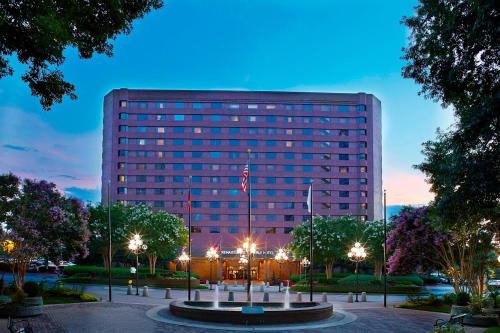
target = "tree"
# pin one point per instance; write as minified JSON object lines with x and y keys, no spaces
{"x":99,"y":231}
{"x":162,"y":232}
{"x":454,"y":55}
{"x":332,"y":239}
{"x":373,"y":235}
{"x":38,"y":32}
{"x":411,"y":242}
{"x":43,"y":223}
{"x":9,"y":190}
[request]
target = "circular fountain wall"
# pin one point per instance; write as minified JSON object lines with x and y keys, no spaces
{"x":258,"y":313}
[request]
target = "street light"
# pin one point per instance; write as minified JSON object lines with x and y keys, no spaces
{"x":246,"y":251}
{"x":211,"y":256}
{"x":280,"y":258}
{"x":184,"y":259}
{"x":357,"y":254}
{"x":305,"y":263}
{"x":136,"y":245}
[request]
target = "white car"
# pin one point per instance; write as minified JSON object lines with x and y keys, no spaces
{"x":63,"y":264}
{"x":494,"y":283}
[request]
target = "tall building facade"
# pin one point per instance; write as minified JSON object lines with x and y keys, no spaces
{"x":155,"y":139}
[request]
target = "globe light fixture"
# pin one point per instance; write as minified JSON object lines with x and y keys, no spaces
{"x":280,"y":257}
{"x":357,"y":254}
{"x":305,"y":263}
{"x":136,"y":246}
{"x":211,"y":255}
{"x":246,"y":251}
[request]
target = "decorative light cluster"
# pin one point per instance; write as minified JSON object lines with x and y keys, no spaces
{"x":212,"y":254}
{"x":305,"y":262}
{"x":248,"y":247}
{"x":357,"y":252}
{"x":184,"y":257}
{"x":136,"y":244}
{"x":281,"y":256}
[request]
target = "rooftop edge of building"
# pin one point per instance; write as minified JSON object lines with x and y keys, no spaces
{"x":240,"y":95}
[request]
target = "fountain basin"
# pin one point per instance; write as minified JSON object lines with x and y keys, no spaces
{"x":231,"y":312}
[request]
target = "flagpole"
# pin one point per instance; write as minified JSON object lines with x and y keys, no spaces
{"x":189,"y":240}
{"x":311,"y":248}
{"x":110,"y":257}
{"x":249,"y":265}
{"x":385,"y":251}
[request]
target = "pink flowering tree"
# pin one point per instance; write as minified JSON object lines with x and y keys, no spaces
{"x":41,"y":222}
{"x":411,"y":243}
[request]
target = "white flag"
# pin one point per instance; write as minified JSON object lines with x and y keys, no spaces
{"x":309,"y":199}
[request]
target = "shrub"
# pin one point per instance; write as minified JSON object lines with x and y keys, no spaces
{"x":448,"y":329}
{"x":462,"y":298}
{"x":450,"y":298}
{"x":404,"y":279}
{"x":88,"y":298}
{"x":32,"y":289}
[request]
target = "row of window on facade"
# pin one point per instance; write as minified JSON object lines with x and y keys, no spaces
{"x":235,"y":204}
{"x":238,"y":118}
{"x":237,"y":180}
{"x":238,"y":155}
{"x":247,"y":130}
{"x":238,"y":106}
{"x":247,"y":143}
{"x":237,"y":167}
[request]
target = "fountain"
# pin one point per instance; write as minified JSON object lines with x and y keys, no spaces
{"x":286,"y":303}
{"x":250,"y":295}
{"x":216,"y":297}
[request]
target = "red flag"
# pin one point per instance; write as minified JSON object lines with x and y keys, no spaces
{"x":244,"y":180}
{"x":188,"y":206}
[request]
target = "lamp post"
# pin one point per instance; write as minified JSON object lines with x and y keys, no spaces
{"x":246,"y":252}
{"x":305,"y":263}
{"x":280,"y":258}
{"x":184,"y":259}
{"x":211,"y":256}
{"x":136,"y":245}
{"x":357,"y":254}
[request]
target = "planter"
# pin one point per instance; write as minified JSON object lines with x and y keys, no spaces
{"x":481,"y":320}
{"x":459,"y":309}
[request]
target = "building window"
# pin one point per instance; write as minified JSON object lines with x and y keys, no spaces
{"x":197,"y":105}
{"x":197,"y":117}
{"x":215,"y":154}
{"x":233,"y":230}
{"x":178,"y":129}
{"x":307,"y":156}
{"x":215,"y":130}
{"x":179,"y":105}
{"x":122,"y":179}
{"x":196,"y":230}
{"x":122,"y":190}
{"x":178,"y":154}
{"x":159,"y":204}
{"x":196,"y":154}
{"x":142,"y":116}
{"x":197,"y":166}
{"x":234,"y":143}
{"x":196,"y":179}
{"x":363,"y":169}
{"x":361,"y":107}
{"x":361,"y":120}
{"x":178,"y":117}
{"x":233,"y":154}
{"x":270,"y":156}
{"x":343,"y":181}
{"x":289,"y":131}
{"x":122,"y":165}
{"x":289,"y":180}
{"x":123,"y":104}
{"x":252,"y":143}
{"x":123,"y":116}
{"x":140,"y":191}
{"x":270,"y":143}
{"x":344,"y":157}
{"x":123,"y":128}
{"x":160,"y":130}
{"x":289,"y":218}
{"x":141,"y":129}
{"x":343,"y":144}
{"x":307,"y":131}
{"x":344,"y":194}
{"x":270,"y":180}
{"x":197,"y":130}
{"x":234,"y":106}
{"x":271,"y":230}
{"x":233,"y":204}
{"x":343,"y":206}
{"x":214,"y":204}
{"x":216,"y":105}
{"x":160,"y":142}
{"x":215,"y":117}
{"x":343,"y":132}
{"x":178,"y":166}
{"x":161,"y":105}
{"x":361,"y":132}
{"x":178,"y":142}
{"x":178,"y":179}
{"x":123,"y":141}
{"x":271,"y":119}
{"x":159,"y":191}
{"x":289,"y":144}
{"x":289,"y":168}
{"x":123,"y":153}
{"x":363,"y":181}
{"x":362,"y":157}
{"x":307,"y":107}
{"x":288,"y":205}
{"x":213,"y":229}
{"x":344,"y":169}
{"x":289,"y":193}
{"x":251,"y":119}
{"x":159,"y":179}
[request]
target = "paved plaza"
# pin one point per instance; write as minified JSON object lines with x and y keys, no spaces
{"x":128,"y":314}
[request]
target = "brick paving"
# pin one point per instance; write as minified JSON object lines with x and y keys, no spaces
{"x":128,"y":314}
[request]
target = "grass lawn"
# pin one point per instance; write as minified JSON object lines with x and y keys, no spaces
{"x":492,"y":330}
{"x":432,"y":308}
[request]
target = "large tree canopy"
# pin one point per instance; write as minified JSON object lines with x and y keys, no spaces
{"x":454,"y":54}
{"x":38,"y":32}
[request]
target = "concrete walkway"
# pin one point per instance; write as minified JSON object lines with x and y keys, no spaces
{"x":127,"y":313}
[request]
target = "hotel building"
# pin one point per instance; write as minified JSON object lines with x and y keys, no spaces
{"x":153,"y":140}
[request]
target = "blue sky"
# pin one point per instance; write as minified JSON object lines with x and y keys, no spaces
{"x":316,"y":45}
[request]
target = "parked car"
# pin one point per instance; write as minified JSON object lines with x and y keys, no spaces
{"x":494,"y":283}
{"x":40,"y":265}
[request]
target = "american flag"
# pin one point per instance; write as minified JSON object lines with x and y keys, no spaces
{"x":188,"y":206}
{"x":244,"y":180}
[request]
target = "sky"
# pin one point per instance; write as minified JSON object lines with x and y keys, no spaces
{"x":295,"y":45}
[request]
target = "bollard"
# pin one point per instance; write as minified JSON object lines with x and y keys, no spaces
{"x":324,"y":297}
{"x":299,"y":297}
{"x":225,"y":287}
{"x":267,"y":284}
{"x":207,"y":284}
{"x":349,"y":298}
{"x":168,"y":293}
{"x":266,"y":297}
{"x":218,"y":283}
{"x":261,"y":288}
{"x":196,"y":295}
{"x":145,"y":292}
{"x":363,"y":296}
{"x":129,"y":289}
{"x":230,"y":296}
{"x":281,"y":285}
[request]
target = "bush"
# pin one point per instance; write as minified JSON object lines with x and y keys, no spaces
{"x":462,"y":298}
{"x":88,"y":298}
{"x":117,"y":272}
{"x":32,"y":289}
{"x":404,"y":279}
{"x":450,"y":298}
{"x":448,"y":329}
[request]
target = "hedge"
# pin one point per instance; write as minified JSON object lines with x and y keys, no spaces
{"x":368,"y":288}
